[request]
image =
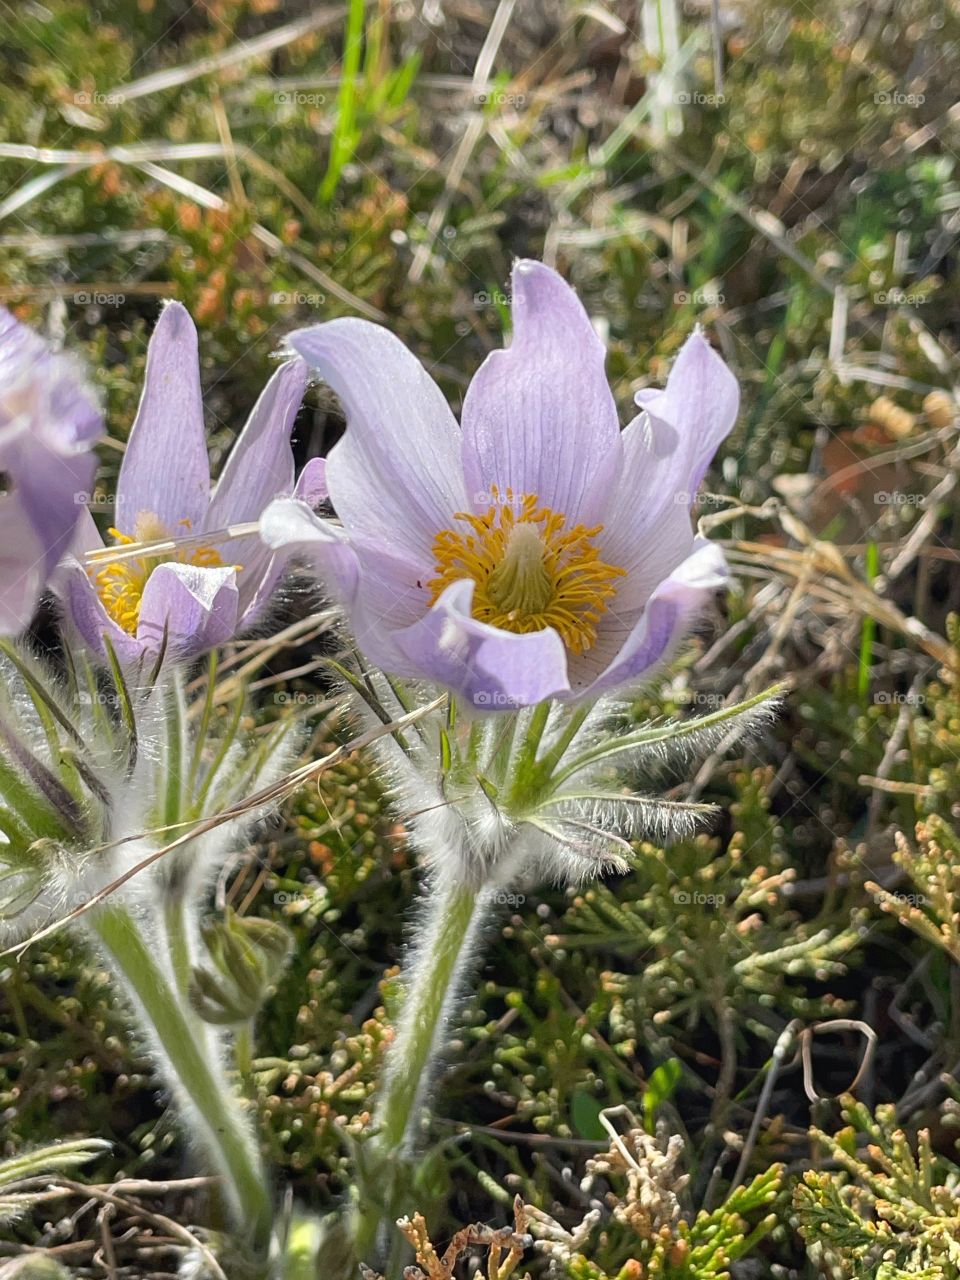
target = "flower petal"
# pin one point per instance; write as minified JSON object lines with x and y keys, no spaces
{"x":311,"y":486}
{"x":260,"y":467}
{"x":21,"y":566}
{"x":396,"y":474}
{"x":666,"y":617}
{"x":493,"y":670}
{"x":196,"y":607}
{"x":90,"y":619}
{"x":290,"y":528}
{"x":165,"y":469}
{"x":689,"y":419}
{"x":539,"y":416}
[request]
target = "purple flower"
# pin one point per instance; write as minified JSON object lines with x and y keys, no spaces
{"x":537,"y":551}
{"x":209,"y":588}
{"x":49,"y":421}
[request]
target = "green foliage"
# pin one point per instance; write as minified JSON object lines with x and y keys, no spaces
{"x":890,"y":1210}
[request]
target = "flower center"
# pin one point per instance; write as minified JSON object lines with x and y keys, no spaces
{"x":530,"y":570}
{"x":120,"y":583}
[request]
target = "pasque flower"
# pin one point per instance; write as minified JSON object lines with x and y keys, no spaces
{"x":201,"y":593}
{"x":49,"y":421}
{"x":535,"y":551}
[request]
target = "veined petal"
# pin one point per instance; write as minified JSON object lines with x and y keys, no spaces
{"x":667,"y":616}
{"x":259,"y":467}
{"x":85,"y":610}
{"x":22,"y":561}
{"x":396,"y":473}
{"x":689,"y":419}
{"x":311,"y":486}
{"x":491,"y":669}
{"x":539,"y":416}
{"x":197,"y":608}
{"x":291,"y":528}
{"x":165,"y":469}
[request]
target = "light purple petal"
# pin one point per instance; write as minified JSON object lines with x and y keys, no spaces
{"x":53,"y":489}
{"x":196,"y":607}
{"x":48,"y":422}
{"x":396,"y":473}
{"x":493,"y":670}
{"x":539,"y":416}
{"x":165,"y":469}
{"x":259,"y":467}
{"x":288,"y":526}
{"x":90,"y":619}
{"x":667,"y":617}
{"x":689,"y":419}
{"x":311,"y":486}
{"x":21,"y":566}
{"x":647,"y":534}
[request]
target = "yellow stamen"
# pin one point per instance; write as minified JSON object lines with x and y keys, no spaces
{"x":120,"y":584}
{"x":530,"y":570}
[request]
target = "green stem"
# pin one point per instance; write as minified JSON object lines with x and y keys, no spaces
{"x":430,"y":990}
{"x":178,"y":942}
{"x":223,"y":1131}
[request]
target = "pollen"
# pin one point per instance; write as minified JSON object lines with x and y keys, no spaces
{"x":120,"y":583}
{"x":531,"y":571}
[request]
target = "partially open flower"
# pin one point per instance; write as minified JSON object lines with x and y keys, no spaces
{"x":203,"y":592}
{"x":49,"y":421}
{"x":536,"y":552}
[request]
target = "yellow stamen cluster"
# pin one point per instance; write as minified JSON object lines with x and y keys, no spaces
{"x":120,"y":584}
{"x":530,"y":570}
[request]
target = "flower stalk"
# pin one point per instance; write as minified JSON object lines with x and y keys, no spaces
{"x":222,"y":1130}
{"x":437,"y":972}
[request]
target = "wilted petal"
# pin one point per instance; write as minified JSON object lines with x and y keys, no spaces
{"x":539,"y":416}
{"x":396,"y":473}
{"x":493,"y":670}
{"x":197,"y":608}
{"x":165,"y":469}
{"x":667,"y":616}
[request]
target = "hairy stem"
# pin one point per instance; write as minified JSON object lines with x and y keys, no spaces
{"x":222,"y":1131}
{"x":430,"y":994}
